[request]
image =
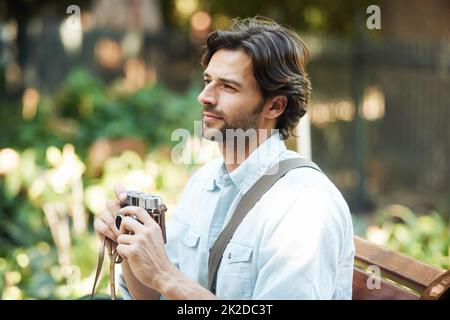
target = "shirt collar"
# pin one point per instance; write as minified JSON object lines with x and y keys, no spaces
{"x":249,"y":171}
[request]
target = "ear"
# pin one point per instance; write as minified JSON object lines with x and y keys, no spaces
{"x":276,"y":107}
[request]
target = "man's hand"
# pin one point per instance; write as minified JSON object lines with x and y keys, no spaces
{"x":144,"y":249}
{"x":104,"y":224}
{"x":147,"y":270}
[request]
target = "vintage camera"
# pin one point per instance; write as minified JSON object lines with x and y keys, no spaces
{"x":151,"y":203}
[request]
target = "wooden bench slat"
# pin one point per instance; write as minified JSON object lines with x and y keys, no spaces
{"x":387,"y":290}
{"x":396,"y":266}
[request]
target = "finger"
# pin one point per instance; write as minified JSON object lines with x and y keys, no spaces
{"x":110,"y":220}
{"x":142,"y":215}
{"x":122,"y":250}
{"x":125,"y":239}
{"x":103,"y":230}
{"x":130,"y":224}
{"x":121,"y":192}
{"x":113,"y":205}
{"x":125,"y":250}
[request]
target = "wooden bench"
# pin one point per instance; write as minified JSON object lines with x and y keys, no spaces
{"x":402,"y":277}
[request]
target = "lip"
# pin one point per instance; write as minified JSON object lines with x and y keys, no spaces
{"x":210,"y":116}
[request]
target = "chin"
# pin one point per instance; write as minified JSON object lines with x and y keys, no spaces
{"x":213,"y":134}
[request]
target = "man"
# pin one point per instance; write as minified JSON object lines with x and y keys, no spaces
{"x":297,"y":241}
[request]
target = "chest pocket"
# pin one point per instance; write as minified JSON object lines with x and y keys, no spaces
{"x":188,"y":254}
{"x":190,"y":238}
{"x":234,"y":277}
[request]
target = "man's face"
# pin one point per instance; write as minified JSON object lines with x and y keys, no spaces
{"x":231,"y":98}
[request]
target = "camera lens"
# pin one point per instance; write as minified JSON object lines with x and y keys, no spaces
{"x":119,"y":218}
{"x":152,"y":202}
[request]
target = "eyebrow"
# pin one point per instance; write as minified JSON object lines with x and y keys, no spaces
{"x":233,"y":82}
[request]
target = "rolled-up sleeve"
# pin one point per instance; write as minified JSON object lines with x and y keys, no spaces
{"x":123,"y":290}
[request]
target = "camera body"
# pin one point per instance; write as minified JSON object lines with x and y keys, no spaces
{"x":153,"y":204}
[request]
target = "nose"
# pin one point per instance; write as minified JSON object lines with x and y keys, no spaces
{"x":207,"y":97}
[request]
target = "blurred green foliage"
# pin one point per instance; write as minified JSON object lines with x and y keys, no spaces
{"x":84,"y":110}
{"x":49,"y":196}
{"x":425,"y":237}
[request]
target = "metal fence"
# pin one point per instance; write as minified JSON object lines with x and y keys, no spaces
{"x":395,"y":146}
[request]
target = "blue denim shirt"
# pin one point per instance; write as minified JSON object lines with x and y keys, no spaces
{"x":295,"y":243}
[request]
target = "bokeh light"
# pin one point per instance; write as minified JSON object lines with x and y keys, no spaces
{"x":200,"y":21}
{"x":30,"y":102}
{"x":71,"y":36}
{"x":135,"y":74}
{"x":186,"y":7}
{"x":108,"y":53}
{"x":9,"y":160}
{"x":373,"y":104}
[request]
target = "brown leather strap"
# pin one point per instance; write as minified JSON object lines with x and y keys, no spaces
{"x":101,"y":256}
{"x":112,"y":264}
{"x":113,"y":259}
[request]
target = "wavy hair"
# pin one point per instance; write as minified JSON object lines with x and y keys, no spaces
{"x":279,"y":59}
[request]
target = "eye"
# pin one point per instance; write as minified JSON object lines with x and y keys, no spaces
{"x":229,"y":88}
{"x":206,"y":82}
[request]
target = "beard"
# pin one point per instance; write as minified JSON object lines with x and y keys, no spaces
{"x":217,"y":131}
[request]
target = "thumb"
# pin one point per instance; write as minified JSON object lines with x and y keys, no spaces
{"x":121,"y":192}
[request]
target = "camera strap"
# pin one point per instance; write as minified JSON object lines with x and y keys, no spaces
{"x":247,"y":202}
{"x":113,"y":259}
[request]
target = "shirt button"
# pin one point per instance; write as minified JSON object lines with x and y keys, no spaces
{"x":229,"y":255}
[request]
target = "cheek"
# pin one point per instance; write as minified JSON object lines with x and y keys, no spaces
{"x":235,"y":106}
{"x":229,"y":107}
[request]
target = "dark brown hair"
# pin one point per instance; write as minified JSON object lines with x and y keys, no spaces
{"x":279,"y":59}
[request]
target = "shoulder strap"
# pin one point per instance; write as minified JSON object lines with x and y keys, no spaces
{"x":243,"y":207}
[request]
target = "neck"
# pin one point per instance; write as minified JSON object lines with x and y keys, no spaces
{"x":236,"y":151}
